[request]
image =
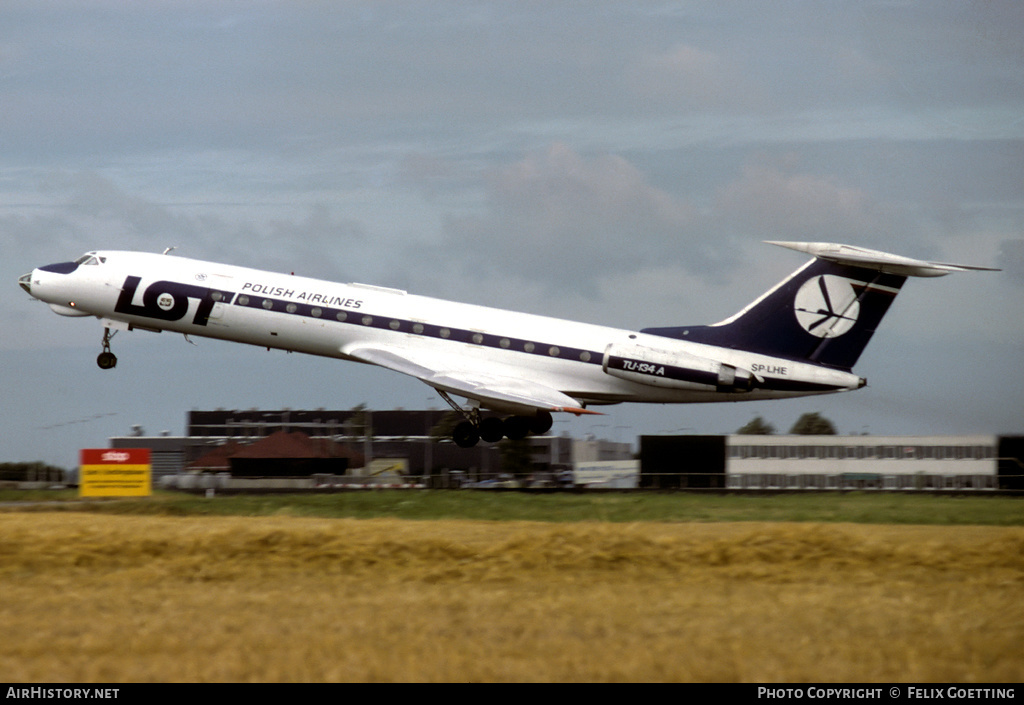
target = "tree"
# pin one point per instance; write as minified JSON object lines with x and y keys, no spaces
{"x":32,"y":472}
{"x":757,"y":427}
{"x":813,"y":424}
{"x":443,"y":428}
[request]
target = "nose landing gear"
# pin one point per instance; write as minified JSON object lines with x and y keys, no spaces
{"x":106,"y":359}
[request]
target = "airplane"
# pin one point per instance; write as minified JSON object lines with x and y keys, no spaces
{"x":801,"y":337}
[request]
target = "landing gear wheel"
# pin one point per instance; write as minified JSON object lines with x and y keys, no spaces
{"x":106,"y":360}
{"x":492,"y":429}
{"x":517,"y":427}
{"x":465,"y":435}
{"x":541,"y":423}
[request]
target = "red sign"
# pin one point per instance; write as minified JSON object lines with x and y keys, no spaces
{"x":115,"y":456}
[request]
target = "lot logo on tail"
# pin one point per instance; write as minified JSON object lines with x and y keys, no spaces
{"x":826,"y":306}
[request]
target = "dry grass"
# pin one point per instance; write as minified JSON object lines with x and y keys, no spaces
{"x":125,"y":598}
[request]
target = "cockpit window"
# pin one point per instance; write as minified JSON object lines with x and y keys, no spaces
{"x":90,"y":258}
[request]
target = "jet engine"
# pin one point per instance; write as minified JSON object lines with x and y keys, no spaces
{"x":676,"y":370}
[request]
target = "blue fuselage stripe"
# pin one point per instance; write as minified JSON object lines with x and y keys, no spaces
{"x":428,"y":330}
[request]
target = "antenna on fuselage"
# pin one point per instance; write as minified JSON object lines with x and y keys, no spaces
{"x":168,"y":250}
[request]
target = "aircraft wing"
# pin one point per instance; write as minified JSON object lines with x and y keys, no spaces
{"x":491,"y":390}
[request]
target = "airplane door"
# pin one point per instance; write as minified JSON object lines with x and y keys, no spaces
{"x":217,"y":312}
{"x":221,"y":300}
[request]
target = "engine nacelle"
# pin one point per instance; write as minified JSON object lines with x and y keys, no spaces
{"x":676,"y":370}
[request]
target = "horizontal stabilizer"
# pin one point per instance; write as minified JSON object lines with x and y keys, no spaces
{"x":874,"y":259}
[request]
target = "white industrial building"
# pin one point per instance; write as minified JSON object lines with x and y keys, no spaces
{"x":885,"y":462}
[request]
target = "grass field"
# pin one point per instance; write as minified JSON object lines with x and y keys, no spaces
{"x":702,"y":590}
{"x":854,"y":507}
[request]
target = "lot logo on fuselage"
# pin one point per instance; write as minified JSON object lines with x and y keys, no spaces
{"x":827,"y":306}
{"x":166,"y":300}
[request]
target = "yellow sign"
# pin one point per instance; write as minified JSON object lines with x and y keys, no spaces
{"x":386,"y":467}
{"x":115,"y":472}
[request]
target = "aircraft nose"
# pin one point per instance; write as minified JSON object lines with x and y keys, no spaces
{"x":25,"y":281}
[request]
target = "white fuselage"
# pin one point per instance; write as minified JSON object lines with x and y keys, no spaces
{"x":158,"y":292}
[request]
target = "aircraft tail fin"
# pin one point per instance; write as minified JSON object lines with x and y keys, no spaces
{"x":825,"y":312}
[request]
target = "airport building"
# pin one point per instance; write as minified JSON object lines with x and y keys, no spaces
{"x":365,"y":443}
{"x":769,"y":462}
{"x":356,"y":442}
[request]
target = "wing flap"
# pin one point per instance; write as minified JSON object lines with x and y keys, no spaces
{"x":500,"y":392}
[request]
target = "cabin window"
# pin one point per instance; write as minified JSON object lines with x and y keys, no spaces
{"x":528,"y":347}
{"x":291,"y":308}
{"x":585,"y":356}
{"x":504,"y":342}
{"x":478,"y":338}
{"x":341,"y":316}
{"x":315,"y":312}
{"x":445,"y":333}
{"x":417,"y":328}
{"x":367,"y":320}
{"x":243,"y":300}
{"x":268,"y":304}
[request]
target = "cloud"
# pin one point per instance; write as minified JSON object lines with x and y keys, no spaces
{"x":687,"y":74}
{"x":777,"y":203}
{"x":556,"y":216}
{"x":86,"y":210}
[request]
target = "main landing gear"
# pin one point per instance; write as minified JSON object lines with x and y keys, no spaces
{"x":107,"y":360}
{"x":492,"y":429}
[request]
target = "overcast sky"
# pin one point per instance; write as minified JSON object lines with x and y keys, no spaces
{"x":616,"y":162}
